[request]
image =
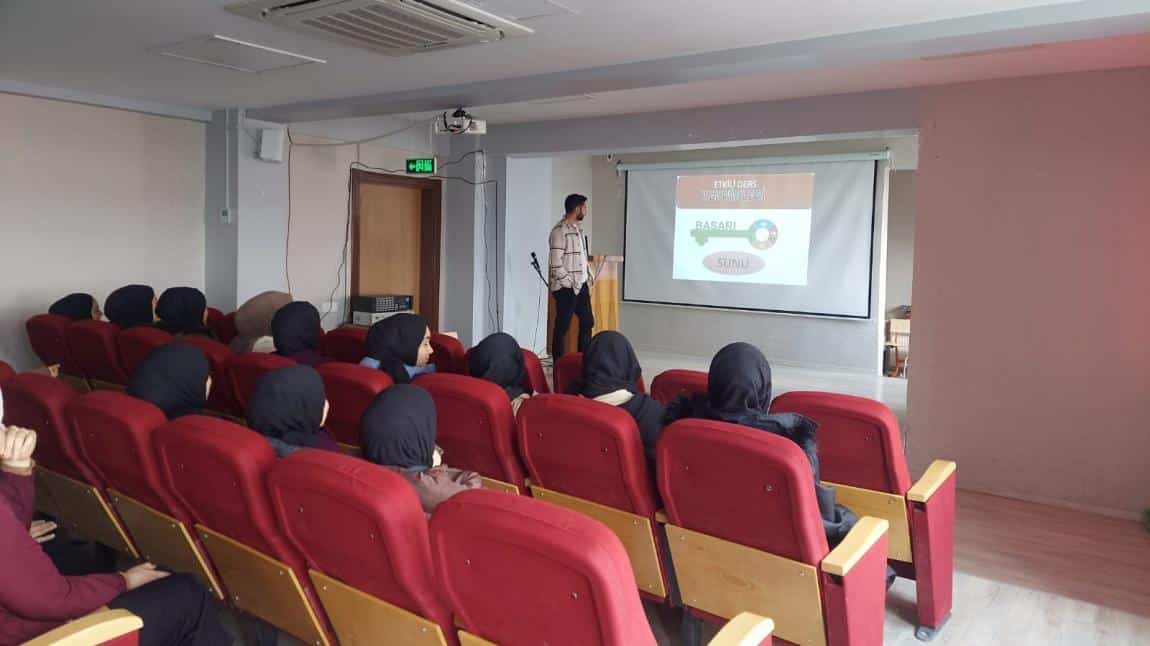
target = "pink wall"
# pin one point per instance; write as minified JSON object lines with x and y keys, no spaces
{"x":1031,"y":345}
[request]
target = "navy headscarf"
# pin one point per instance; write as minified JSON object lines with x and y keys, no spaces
{"x":394,"y":342}
{"x":287,"y":404}
{"x":174,"y":377}
{"x":75,"y":307}
{"x":181,"y":311}
{"x":296,"y":328}
{"x":398,"y":428}
{"x":609,"y":364}
{"x":499,"y":359}
{"x":131,"y":306}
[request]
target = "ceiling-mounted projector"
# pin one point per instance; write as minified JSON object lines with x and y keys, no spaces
{"x":460,"y":122}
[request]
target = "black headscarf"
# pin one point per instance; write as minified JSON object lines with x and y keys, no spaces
{"x":394,"y":342}
{"x":287,"y":404}
{"x":174,"y":377}
{"x":296,"y":328}
{"x":609,"y":364}
{"x":76,"y":307}
{"x":181,"y":311}
{"x":499,"y":359}
{"x":130,"y":306}
{"x":398,"y":428}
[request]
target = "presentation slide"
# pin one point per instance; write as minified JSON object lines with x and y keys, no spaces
{"x":743,"y":228}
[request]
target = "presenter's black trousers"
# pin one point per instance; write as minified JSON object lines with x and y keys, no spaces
{"x":567,"y":302}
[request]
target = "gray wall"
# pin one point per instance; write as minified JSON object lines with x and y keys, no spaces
{"x":221,"y":238}
{"x":900,"y":239}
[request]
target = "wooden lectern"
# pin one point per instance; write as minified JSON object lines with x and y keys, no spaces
{"x":604,"y":302}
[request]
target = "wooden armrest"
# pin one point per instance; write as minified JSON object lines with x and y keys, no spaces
{"x":661,"y":517}
{"x":861,"y":538}
{"x":746,"y":629}
{"x":930,"y":481}
{"x":96,"y":628}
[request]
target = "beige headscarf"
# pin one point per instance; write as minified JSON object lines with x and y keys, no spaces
{"x":254,"y":319}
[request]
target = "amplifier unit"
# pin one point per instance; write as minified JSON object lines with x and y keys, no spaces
{"x":381,"y":304}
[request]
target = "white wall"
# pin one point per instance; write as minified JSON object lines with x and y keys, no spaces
{"x":92,"y":199}
{"x":900,"y":239}
{"x":573,"y":174}
{"x":530,"y":205}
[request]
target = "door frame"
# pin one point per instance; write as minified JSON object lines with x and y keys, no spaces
{"x":430,"y":233}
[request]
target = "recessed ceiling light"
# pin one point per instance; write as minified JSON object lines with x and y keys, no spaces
{"x":234,"y":54}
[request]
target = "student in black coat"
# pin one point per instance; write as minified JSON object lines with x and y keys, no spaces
{"x":611,"y":374}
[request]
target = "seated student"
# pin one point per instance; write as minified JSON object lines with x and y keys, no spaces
{"x":498,"y":359}
{"x":611,"y":375}
{"x":131,"y":306}
{"x":35,"y":597}
{"x":176,"y":378}
{"x":183,"y":311}
{"x":739,"y":392}
{"x":289,"y":408}
{"x":77,"y":307}
{"x":399,"y":345}
{"x":297,"y":333}
{"x":397,"y":431}
{"x":254,"y":322}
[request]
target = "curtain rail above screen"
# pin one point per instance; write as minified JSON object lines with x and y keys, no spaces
{"x":758,"y":161}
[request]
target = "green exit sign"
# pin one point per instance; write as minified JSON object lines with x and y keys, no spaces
{"x":421,"y":166}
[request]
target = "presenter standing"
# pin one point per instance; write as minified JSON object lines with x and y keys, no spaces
{"x":570,"y":280}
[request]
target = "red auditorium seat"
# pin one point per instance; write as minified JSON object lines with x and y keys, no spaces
{"x":447,"y":354}
{"x":244,"y":370}
{"x":6,"y":371}
{"x":46,"y":335}
{"x":92,"y":345}
{"x":218,"y":471}
{"x":382,"y":548}
{"x":137,"y":343}
{"x":476,"y":428}
{"x":117,"y":433}
{"x":588,"y":456}
{"x":214,"y":316}
{"x":670,"y":384}
{"x":347,"y":344}
{"x":350,"y":390}
{"x":222,"y":398}
{"x":518,"y":571}
{"x":861,"y":456}
{"x":536,"y":378}
{"x":569,"y":371}
{"x":745,"y":535}
{"x":225,"y":329}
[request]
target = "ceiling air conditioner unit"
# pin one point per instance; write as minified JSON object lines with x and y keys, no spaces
{"x":393,"y":27}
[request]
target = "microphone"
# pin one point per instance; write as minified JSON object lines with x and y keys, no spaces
{"x":538,"y":271}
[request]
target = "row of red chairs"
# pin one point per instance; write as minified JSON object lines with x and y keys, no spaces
{"x":319,"y":544}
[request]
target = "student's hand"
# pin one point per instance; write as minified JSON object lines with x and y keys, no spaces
{"x":16,"y":447}
{"x":142,"y":574}
{"x":41,"y":530}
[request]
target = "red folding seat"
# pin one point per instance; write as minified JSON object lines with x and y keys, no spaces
{"x":135,"y":344}
{"x":68,"y":487}
{"x":569,"y":371}
{"x":92,"y":345}
{"x":745,"y":534}
{"x":218,"y":469}
{"x":347,"y":344}
{"x":225,"y":329}
{"x":46,"y":335}
{"x":350,"y":390}
{"x":214,"y":316}
{"x":221,"y":398}
{"x":588,"y":456}
{"x":447,"y":354}
{"x":244,"y":370}
{"x":117,"y":433}
{"x":861,"y":456}
{"x":670,"y":384}
{"x":476,"y":428}
{"x":380,"y":565}
{"x":519,"y":571}
{"x":6,"y":371}
{"x":536,"y":378}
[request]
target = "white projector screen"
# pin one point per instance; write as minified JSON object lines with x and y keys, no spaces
{"x":793,"y":238}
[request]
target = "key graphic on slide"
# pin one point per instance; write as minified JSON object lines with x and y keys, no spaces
{"x":762,"y":234}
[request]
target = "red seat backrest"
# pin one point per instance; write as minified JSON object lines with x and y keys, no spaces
{"x":520,"y":571}
{"x":447,"y":354}
{"x":858,"y":439}
{"x":587,"y":449}
{"x":742,"y":485}
{"x":569,"y":371}
{"x":536,"y":378}
{"x":217,"y":469}
{"x":92,"y":345}
{"x":135,"y":344}
{"x":670,"y":384}
{"x":225,"y":329}
{"x":475,"y":426}
{"x":244,"y":370}
{"x":361,"y":524}
{"x":38,"y":402}
{"x":214,"y":316}
{"x":347,"y":344}
{"x":46,"y":334}
{"x":221,"y":398}
{"x":350,"y":389}
{"x":116,"y":432}
{"x":6,"y":371}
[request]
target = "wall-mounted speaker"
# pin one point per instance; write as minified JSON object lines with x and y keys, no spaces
{"x":272,"y":144}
